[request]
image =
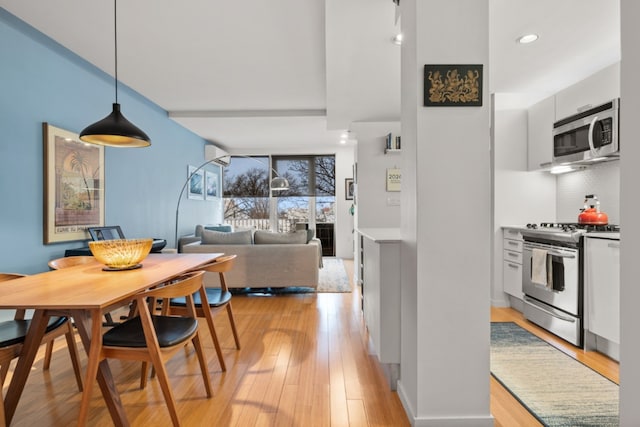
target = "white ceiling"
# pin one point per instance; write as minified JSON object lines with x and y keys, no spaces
{"x":285,"y":75}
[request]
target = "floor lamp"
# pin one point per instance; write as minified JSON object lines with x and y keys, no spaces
{"x":277,"y":184}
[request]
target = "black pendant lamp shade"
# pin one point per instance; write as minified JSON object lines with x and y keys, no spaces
{"x":114,"y":130}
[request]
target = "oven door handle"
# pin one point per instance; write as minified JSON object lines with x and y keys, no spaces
{"x":556,"y":315}
{"x":561,"y":254}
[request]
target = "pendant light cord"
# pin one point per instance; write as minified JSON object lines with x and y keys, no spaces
{"x":115,"y":36}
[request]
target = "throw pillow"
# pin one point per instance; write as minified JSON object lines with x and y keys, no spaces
{"x":224,"y":228}
{"x":268,"y":238}
{"x":210,"y":237}
{"x":200,"y":227}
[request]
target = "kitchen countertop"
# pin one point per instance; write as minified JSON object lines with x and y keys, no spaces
{"x":381,"y":235}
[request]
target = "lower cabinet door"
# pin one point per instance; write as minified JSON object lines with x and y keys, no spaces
{"x":512,"y":278}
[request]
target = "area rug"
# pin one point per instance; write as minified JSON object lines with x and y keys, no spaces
{"x":333,"y":276}
{"x":557,"y":389}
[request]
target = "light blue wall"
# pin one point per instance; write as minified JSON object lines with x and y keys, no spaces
{"x":40,"y":81}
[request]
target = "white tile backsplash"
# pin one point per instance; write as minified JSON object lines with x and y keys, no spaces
{"x":602,"y":179}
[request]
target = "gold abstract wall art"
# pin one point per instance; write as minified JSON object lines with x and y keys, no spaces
{"x":453,"y":85}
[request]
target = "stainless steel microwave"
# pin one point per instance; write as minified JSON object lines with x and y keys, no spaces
{"x":588,"y":136}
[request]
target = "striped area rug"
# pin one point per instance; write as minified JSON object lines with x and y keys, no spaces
{"x":557,"y":389}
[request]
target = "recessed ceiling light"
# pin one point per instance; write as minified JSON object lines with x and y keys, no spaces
{"x":397,"y":39}
{"x":527,"y":38}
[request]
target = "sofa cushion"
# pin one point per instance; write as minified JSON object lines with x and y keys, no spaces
{"x":210,"y":237}
{"x":268,"y":238}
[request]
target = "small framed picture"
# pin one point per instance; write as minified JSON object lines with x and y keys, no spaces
{"x":453,"y":85}
{"x":211,"y":182}
{"x":348,"y":188}
{"x":394,"y":179}
{"x":196,"y":184}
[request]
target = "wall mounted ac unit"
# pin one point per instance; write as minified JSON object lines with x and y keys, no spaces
{"x":217,"y":155}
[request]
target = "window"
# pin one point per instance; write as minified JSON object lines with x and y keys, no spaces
{"x":246,"y":192}
{"x":310,"y":200}
{"x":311,"y":189}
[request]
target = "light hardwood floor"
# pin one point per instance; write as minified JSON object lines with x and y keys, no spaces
{"x":303,"y":362}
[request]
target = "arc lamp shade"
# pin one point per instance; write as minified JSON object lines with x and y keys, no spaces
{"x":279,"y":183}
{"x":115,"y":131}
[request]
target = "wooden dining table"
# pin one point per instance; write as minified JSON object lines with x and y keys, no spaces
{"x":85,"y":293}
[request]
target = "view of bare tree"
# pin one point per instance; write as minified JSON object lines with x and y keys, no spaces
{"x":246,"y":193}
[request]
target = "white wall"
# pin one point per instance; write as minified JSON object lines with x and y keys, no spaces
{"x":372,"y":199}
{"x":519,"y":197}
{"x":602,"y":179}
{"x":344,"y":220}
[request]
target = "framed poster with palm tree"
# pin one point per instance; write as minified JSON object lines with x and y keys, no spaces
{"x":73,"y":186}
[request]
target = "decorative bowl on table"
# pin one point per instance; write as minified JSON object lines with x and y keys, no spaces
{"x":121,"y":254}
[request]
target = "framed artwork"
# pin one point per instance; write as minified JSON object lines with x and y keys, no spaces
{"x":196,"y":183}
{"x":453,"y":85}
{"x":348,"y":188}
{"x":394,"y":180}
{"x":73,"y":186}
{"x":211,"y":185}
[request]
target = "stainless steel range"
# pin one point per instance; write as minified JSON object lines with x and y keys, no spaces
{"x":552,"y":276}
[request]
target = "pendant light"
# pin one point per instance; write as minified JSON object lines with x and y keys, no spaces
{"x":115,"y":130}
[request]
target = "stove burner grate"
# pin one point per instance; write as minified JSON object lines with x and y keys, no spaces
{"x":572,"y":226}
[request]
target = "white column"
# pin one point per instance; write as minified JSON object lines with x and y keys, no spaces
{"x":629,"y":208}
{"x":446,"y":222}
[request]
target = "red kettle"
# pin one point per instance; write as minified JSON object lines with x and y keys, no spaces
{"x":590,"y":214}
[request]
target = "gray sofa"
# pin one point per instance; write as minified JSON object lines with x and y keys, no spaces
{"x":264,"y":259}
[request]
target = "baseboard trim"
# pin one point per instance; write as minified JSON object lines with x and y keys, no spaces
{"x":477,"y":421}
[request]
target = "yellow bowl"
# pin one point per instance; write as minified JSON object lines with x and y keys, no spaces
{"x":121,"y":254}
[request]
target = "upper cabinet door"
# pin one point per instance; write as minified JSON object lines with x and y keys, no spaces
{"x":539,"y":134}
{"x":596,"y":89}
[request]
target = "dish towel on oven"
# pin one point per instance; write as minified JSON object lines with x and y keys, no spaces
{"x":539,"y":267}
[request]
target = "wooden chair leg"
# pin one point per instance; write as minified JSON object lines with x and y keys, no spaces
{"x":163,"y":379}
{"x":4,"y":370}
{"x":214,"y":336}
{"x":203,"y":364}
{"x":2,"y":416}
{"x":233,"y":325}
{"x":144,"y":374}
{"x":47,"y":356}
{"x":73,"y":353}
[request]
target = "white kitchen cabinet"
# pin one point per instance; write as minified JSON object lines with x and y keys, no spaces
{"x":381,"y":297}
{"x":602,"y":287}
{"x":596,"y":89}
{"x":512,"y":262}
{"x":539,"y":134}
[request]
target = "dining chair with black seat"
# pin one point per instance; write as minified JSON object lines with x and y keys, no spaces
{"x":155,"y":338}
{"x":13,"y":333}
{"x":218,"y":299}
